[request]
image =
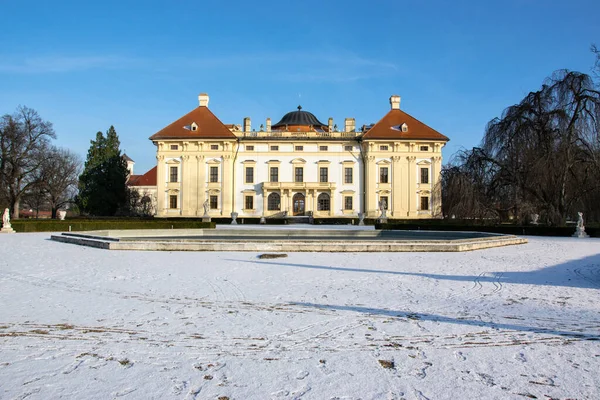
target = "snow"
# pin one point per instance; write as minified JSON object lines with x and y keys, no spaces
{"x":513,"y":322}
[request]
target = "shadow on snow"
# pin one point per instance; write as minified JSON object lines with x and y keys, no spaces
{"x":582,"y":273}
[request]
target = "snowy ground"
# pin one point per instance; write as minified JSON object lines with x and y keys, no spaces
{"x":506,"y":323}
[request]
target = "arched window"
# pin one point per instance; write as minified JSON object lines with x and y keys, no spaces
{"x":323,"y":202}
{"x":273,"y":202}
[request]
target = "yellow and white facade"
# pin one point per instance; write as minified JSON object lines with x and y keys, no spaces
{"x":298,"y":166}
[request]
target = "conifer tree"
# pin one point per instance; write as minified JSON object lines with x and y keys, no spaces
{"x":102,"y":185}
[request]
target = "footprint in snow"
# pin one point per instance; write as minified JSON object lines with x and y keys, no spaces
{"x":520,"y":357}
{"x":421,"y":373}
{"x":485,"y":379}
{"x":302,"y":375}
{"x":459,"y":356}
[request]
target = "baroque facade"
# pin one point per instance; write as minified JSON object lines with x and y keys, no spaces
{"x":298,"y":166}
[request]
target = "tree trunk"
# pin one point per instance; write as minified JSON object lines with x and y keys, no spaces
{"x":15,"y":207}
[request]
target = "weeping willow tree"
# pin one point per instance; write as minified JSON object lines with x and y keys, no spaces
{"x":541,"y":156}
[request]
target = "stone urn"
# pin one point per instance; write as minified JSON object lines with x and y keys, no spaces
{"x":61,"y":214}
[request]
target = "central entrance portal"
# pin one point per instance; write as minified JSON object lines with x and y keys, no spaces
{"x":298,"y":200}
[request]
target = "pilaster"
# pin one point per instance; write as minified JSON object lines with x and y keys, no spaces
{"x":412,"y":186}
{"x":161,"y":206}
{"x":370,"y":183}
{"x":226,"y":185}
{"x":397,"y":193}
{"x":200,"y":185}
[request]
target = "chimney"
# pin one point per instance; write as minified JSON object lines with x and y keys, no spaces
{"x":203,"y":99}
{"x":268,"y":124}
{"x":247,"y":124}
{"x":330,"y":123}
{"x":350,"y":125}
{"x":395,"y":102}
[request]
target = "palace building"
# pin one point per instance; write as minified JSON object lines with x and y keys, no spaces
{"x":296,"y":167}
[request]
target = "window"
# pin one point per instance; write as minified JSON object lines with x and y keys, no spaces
{"x":214,"y":202}
{"x":214,"y":174}
{"x":348,"y":203}
{"x":274,"y":174}
{"x":322,"y":148}
{"x":249,"y":174}
{"x":249,"y":202}
{"x":347,"y":175}
{"x":173,"y":201}
{"x":298,"y":148}
{"x":383,"y":148}
{"x":424,"y":175}
{"x":174,"y":147}
{"x":274,"y":148}
{"x":323,"y":202}
{"x":249,"y":148}
{"x":383,"y":175}
{"x":299,"y":175}
{"x":424,"y":203}
{"x":323,"y":175}
{"x":214,"y":147}
{"x":348,"y":148}
{"x":424,"y":148}
{"x":383,"y":200}
{"x":173,"y":174}
{"x":273,"y":202}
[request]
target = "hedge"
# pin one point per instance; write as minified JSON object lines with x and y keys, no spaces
{"x":533,"y":230}
{"x":54,"y":225}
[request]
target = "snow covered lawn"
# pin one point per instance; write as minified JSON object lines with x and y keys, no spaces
{"x":513,"y":322}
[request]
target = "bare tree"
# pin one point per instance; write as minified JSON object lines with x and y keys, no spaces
{"x":542,"y":156}
{"x":61,"y":170}
{"x":24,"y":139}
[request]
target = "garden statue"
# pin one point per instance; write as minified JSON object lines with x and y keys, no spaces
{"x":61,"y":215}
{"x":6,"y":218}
{"x":6,"y":227}
{"x":580,"y":229}
{"x":361,"y":219}
{"x":205,"y":205}
{"x":233,"y":218}
{"x":534,"y":219}
{"x":382,"y":208}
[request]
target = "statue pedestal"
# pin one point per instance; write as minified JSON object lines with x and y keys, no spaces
{"x":7,"y":230}
{"x":263,"y":221}
{"x":382,"y":220}
{"x":205,"y":219}
{"x":580,"y":233}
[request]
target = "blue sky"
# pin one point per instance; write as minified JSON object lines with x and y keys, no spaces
{"x":141,"y":65}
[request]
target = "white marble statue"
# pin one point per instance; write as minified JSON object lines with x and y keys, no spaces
{"x":61,"y":214}
{"x":580,"y":229}
{"x":6,"y":219}
{"x":6,"y":227}
{"x":205,"y":205}
{"x":382,"y":208}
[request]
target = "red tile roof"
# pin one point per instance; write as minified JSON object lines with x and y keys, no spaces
{"x":209,"y":127}
{"x":148,"y":179}
{"x":389,"y":128}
